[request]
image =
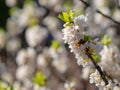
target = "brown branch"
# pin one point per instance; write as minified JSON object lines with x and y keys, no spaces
{"x":98,"y":11}
{"x":102,"y":74}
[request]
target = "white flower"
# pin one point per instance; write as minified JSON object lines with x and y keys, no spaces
{"x":110,"y":59}
{"x":36,"y":87}
{"x":86,"y":71}
{"x":112,"y":54}
{"x":116,"y":88}
{"x":81,"y":22}
{"x":60,"y":64}
{"x":13,"y":45}
{"x":96,"y":78}
{"x":69,"y":85}
{"x":6,"y":76}
{"x":26,"y":56}
{"x":11,"y":3}
{"x":17,"y":85}
{"x":35,"y":35}
{"x":41,"y":60}
{"x":24,"y":72}
{"x":74,"y":34}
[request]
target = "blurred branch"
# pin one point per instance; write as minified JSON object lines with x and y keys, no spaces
{"x":117,"y":4}
{"x":98,"y":11}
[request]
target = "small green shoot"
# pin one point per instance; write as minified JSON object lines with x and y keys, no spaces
{"x":67,"y":17}
{"x":39,"y":79}
{"x":55,"y":44}
{"x":87,"y":38}
{"x":106,"y":40}
{"x":96,"y":57}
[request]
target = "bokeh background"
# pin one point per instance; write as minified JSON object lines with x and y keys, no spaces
{"x":33,"y":55}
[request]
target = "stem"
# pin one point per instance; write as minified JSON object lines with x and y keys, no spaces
{"x":102,"y":74}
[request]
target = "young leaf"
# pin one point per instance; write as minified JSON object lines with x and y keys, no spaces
{"x":39,"y":79}
{"x":96,"y":57}
{"x":71,"y":14}
{"x":61,"y":17}
{"x":55,"y":44}
{"x":67,"y":17}
{"x":66,"y":24}
{"x":87,"y":38}
{"x":106,"y":40}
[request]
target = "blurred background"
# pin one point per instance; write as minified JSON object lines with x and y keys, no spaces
{"x":33,"y":55}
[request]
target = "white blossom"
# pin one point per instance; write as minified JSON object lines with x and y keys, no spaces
{"x":24,"y":72}
{"x":110,"y":59}
{"x":11,"y":3}
{"x":76,"y":32}
{"x":96,"y":78}
{"x":86,"y":71}
{"x":41,"y":60}
{"x":116,"y":88}
{"x":26,"y":56}
{"x":35,"y":35}
{"x":13,"y":45}
{"x":70,"y":85}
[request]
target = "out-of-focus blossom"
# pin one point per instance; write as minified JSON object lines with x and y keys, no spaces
{"x":36,"y":87}
{"x":87,"y":71}
{"x":26,"y":56}
{"x":11,"y":3}
{"x":110,"y":59}
{"x":69,"y":85}
{"x":6,"y":76}
{"x":60,"y":64}
{"x":35,"y":35}
{"x":41,"y":60}
{"x":116,"y":88}
{"x":24,"y":72}
{"x":13,"y":45}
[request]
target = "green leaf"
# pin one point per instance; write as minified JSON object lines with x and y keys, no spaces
{"x":87,"y":38}
{"x":55,"y":44}
{"x":66,"y":16}
{"x":71,"y":14}
{"x":39,"y":79}
{"x":66,"y":24}
{"x":61,"y":17}
{"x":96,"y":57}
{"x":106,"y":40}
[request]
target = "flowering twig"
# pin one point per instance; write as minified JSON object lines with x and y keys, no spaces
{"x":98,"y":11}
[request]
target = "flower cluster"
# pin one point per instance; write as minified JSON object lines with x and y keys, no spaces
{"x":87,"y":51}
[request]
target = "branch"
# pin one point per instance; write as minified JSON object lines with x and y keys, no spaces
{"x":102,"y":74}
{"x":98,"y":11}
